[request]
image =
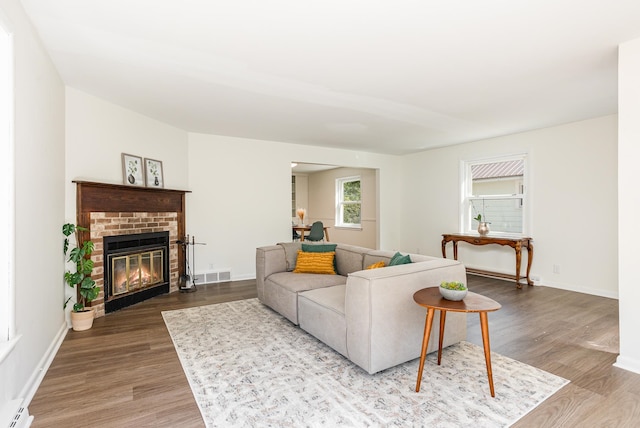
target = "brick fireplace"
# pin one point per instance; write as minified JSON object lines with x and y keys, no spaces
{"x":109,"y":210}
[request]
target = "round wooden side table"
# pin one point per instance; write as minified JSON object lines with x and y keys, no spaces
{"x":431,"y":299}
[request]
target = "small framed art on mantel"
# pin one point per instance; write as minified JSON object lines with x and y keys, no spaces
{"x":132,"y":170}
{"x":153,"y":173}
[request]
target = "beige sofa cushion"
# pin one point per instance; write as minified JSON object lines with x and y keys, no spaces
{"x":321,"y":313}
{"x":291,"y":253}
{"x":349,"y":259}
{"x":282,"y":288}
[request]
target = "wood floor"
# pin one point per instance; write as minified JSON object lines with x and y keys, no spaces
{"x":124,"y":372}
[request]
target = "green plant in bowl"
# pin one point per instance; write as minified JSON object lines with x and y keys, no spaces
{"x":453,"y":285}
{"x":453,"y":290}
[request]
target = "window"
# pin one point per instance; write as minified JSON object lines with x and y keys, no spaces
{"x":7,"y":301}
{"x":495,"y":189}
{"x":348,"y":202}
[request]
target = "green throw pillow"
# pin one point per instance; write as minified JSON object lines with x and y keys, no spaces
{"x":394,"y":257}
{"x":399,"y":259}
{"x":318,"y":248}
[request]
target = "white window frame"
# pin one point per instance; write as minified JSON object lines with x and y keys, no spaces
{"x":8,"y":337}
{"x":466,"y":223}
{"x":340,"y":202}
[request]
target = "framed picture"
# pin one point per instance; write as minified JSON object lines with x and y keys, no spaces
{"x":132,"y":173}
{"x":153,"y":173}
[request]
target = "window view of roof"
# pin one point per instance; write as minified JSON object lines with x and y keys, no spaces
{"x":513,"y":168}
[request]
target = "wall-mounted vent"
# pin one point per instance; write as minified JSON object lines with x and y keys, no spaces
{"x":213,"y":277}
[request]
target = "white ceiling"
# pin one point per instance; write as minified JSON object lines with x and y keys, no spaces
{"x":393,"y":76}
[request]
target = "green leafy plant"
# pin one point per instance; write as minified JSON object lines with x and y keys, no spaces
{"x":478,"y":218}
{"x":80,"y":278}
{"x":453,"y":285}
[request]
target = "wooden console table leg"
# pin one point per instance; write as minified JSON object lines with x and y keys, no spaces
{"x":484,"y":326}
{"x":518,"y":249}
{"x":425,"y":342}
{"x":455,"y":250}
{"x":444,"y":249}
{"x":529,"y":261}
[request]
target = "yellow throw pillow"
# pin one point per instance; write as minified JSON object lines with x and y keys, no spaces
{"x":376,"y":265}
{"x":315,"y":263}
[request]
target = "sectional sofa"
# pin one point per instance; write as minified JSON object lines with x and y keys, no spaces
{"x":367,"y":315}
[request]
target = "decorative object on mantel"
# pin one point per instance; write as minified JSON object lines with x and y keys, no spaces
{"x":153,"y":173}
{"x":483,"y":226}
{"x":80,"y":279}
{"x":453,"y":290}
{"x":301,"y":212}
{"x":132,"y":170}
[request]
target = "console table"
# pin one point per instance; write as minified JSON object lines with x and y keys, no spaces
{"x":515,"y":242}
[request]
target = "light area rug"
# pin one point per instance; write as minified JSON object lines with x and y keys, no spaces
{"x":250,"y":367}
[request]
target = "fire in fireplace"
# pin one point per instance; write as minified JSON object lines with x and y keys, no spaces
{"x":136,"y":267}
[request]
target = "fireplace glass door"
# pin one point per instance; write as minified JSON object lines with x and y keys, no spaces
{"x":133,"y":272}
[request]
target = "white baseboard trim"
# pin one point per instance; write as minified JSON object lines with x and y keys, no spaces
{"x":32,"y":385}
{"x":629,"y":364}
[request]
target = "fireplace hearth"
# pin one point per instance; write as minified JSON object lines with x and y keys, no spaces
{"x":136,"y":268}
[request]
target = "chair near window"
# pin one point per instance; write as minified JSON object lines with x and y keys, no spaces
{"x":316,"y":233}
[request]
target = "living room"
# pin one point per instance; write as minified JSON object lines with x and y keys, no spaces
{"x":581,"y":187}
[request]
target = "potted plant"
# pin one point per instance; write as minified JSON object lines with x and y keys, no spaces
{"x":483,"y":226}
{"x":453,"y":290}
{"x":79,"y":278}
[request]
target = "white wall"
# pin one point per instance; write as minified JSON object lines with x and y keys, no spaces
{"x":39,"y":176}
{"x":242,"y":196}
{"x":572,"y":187}
{"x":628,"y":196}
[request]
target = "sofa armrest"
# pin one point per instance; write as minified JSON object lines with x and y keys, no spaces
{"x":384,"y":324}
{"x":269,"y":260}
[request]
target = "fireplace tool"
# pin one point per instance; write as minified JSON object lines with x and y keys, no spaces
{"x":187,"y":281}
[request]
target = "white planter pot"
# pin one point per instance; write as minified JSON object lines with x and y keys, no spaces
{"x":81,"y":321}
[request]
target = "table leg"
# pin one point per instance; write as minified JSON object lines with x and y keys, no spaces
{"x":425,"y":341}
{"x":444,"y":249}
{"x":455,"y":250}
{"x":529,"y":260}
{"x":518,"y":249}
{"x":301,"y":235}
{"x":484,"y":326}
{"x":443,"y":315}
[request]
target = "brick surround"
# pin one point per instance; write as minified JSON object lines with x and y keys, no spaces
{"x":126,"y":223}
